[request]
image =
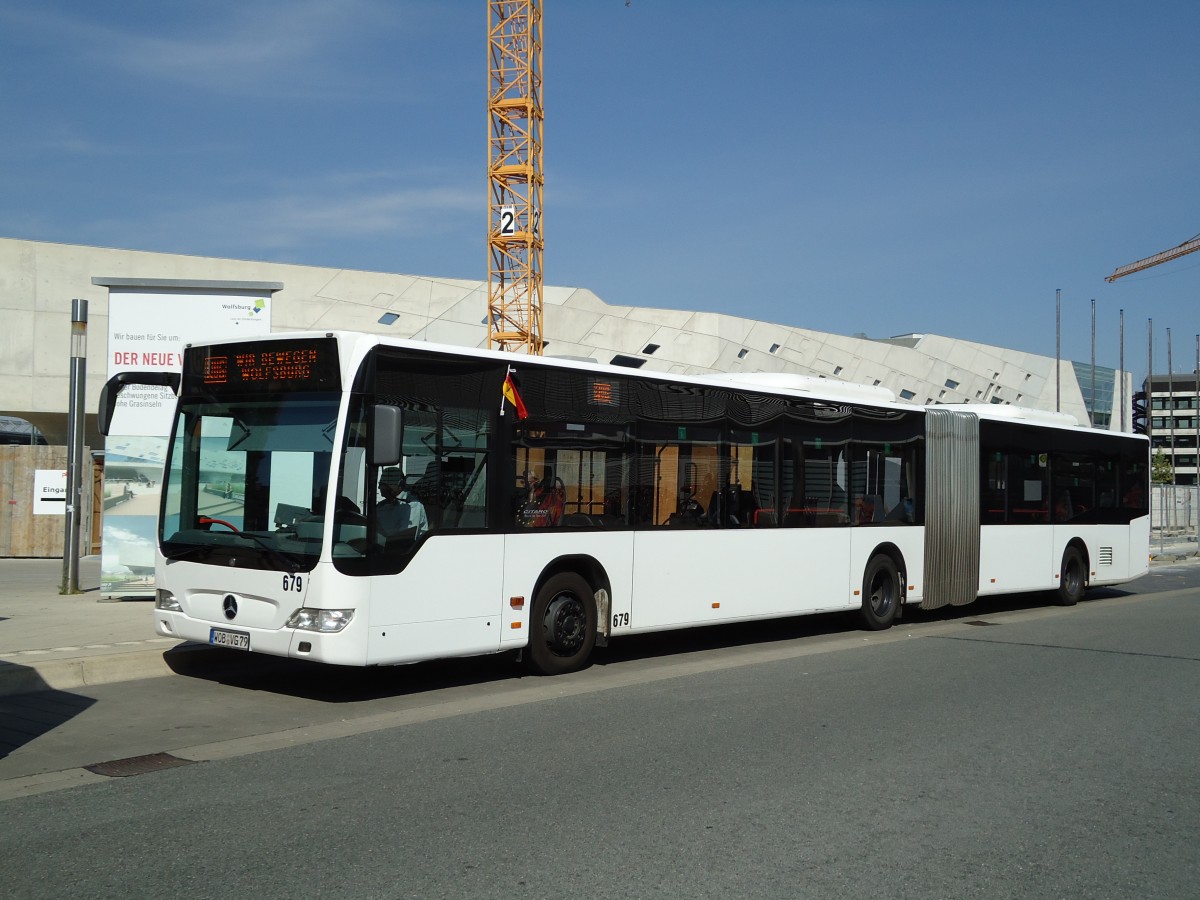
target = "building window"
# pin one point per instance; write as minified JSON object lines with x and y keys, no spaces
{"x":774,"y":348}
{"x":951,"y":384}
{"x":389,"y":318}
{"x":649,"y":349}
{"x":837,"y":370}
{"x":907,"y":395}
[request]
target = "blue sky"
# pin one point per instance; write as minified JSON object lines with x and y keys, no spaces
{"x":855,"y":167}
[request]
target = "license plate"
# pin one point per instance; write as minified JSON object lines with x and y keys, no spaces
{"x":234,"y":640}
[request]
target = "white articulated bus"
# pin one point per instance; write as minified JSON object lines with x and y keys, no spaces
{"x":359,"y":500}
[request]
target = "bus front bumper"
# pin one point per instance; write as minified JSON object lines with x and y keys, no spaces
{"x":337,"y":648}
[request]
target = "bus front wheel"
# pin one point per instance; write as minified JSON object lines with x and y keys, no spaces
{"x":881,"y":593}
{"x":1072,"y":577}
{"x":562,"y":628}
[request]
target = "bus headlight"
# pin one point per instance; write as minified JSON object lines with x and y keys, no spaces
{"x":164,"y":599}
{"x":325,"y":621}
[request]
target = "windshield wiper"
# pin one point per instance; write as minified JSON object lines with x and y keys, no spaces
{"x":225,"y":543}
{"x":200,"y":552}
{"x":288,"y":561}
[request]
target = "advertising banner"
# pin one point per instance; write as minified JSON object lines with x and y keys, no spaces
{"x":148,"y":329}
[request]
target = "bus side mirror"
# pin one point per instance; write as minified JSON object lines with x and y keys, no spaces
{"x":108,"y":405}
{"x":386,"y":436}
{"x":108,"y":393}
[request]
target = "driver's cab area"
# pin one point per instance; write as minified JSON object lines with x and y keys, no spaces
{"x":413,"y":465}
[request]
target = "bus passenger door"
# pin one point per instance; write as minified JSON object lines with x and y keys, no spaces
{"x":445,"y":598}
{"x":445,"y":603}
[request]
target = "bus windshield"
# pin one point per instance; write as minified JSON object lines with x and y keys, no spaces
{"x":246,"y":480}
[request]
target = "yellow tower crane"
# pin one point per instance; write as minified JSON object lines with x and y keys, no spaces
{"x":1189,"y":246}
{"x":515,"y":178}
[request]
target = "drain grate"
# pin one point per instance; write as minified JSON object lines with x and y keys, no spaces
{"x":980,"y":622}
{"x":138,"y":765}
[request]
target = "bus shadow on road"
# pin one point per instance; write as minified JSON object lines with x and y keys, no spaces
{"x":349,"y":685}
{"x":719,"y":637}
{"x":26,"y":717}
{"x":1002,"y":603}
{"x":340,"y":684}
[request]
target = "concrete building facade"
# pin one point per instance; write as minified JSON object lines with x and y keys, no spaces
{"x":38,"y":281}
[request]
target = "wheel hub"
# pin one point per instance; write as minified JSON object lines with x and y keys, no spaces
{"x":1074,"y":578}
{"x":565,"y":623}
{"x":881,"y":596}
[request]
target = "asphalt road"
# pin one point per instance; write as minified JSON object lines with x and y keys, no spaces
{"x":1009,"y":749}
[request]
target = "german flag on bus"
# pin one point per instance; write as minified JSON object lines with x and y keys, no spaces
{"x":513,"y":396}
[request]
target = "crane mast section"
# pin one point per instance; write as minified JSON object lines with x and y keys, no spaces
{"x":1166,"y":256}
{"x":515,"y":176}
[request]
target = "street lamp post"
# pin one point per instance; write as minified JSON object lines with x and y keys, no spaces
{"x":1057,"y":349}
{"x":1122,"y":371}
{"x":1093,"y":363}
{"x":75,"y":428}
{"x":1170,"y":406}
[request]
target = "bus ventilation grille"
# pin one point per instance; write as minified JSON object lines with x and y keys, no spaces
{"x":1106,"y":556}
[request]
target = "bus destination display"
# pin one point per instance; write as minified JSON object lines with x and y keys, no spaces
{"x":263,"y":366}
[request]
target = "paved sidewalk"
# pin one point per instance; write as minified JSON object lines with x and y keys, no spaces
{"x":48,"y":640}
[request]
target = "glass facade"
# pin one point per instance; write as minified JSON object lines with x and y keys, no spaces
{"x":1100,"y":405}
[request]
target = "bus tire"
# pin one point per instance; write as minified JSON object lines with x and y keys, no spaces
{"x":881,"y":593}
{"x":562,"y":627}
{"x":1072,"y":578}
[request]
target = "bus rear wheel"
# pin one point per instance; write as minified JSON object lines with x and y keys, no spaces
{"x":562,"y":627}
{"x":881,"y":593}
{"x":1072,"y":577}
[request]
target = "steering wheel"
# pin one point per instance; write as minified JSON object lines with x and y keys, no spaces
{"x":205,"y":520}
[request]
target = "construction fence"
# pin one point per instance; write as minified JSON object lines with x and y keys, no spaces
{"x":1173,"y":509}
{"x":33,"y":502}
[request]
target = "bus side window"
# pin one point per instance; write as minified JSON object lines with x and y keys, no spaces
{"x":544,"y":496}
{"x":571,"y":476}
